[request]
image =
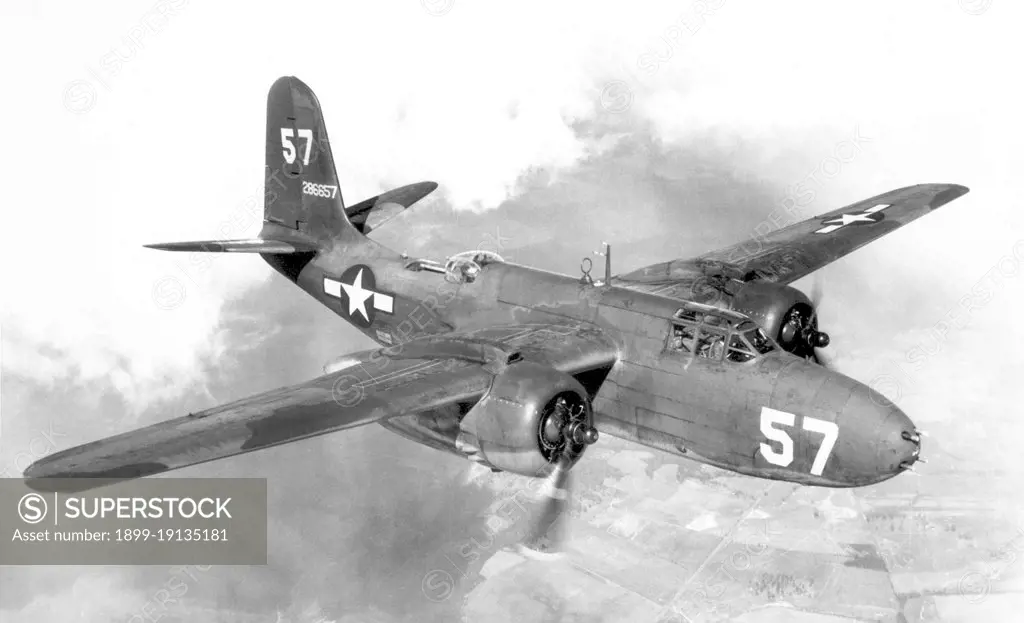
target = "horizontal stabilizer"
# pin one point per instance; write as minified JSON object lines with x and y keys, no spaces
{"x":371,"y":213}
{"x":253,"y":245}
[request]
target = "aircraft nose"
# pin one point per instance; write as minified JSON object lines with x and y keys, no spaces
{"x":875,"y":440}
{"x":896,"y":441}
{"x":899,"y":442}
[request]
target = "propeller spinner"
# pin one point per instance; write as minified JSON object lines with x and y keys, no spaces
{"x":800,"y":335}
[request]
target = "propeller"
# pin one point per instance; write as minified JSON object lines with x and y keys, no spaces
{"x":817,"y":292}
{"x":549,"y":530}
{"x":823,"y":359}
{"x":799,"y":333}
{"x":818,"y":340}
{"x":564,"y":435}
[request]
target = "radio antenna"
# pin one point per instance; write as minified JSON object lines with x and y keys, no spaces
{"x":607,"y":263}
{"x":607,"y":253}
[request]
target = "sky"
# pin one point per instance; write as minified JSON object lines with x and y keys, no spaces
{"x":664,"y":128}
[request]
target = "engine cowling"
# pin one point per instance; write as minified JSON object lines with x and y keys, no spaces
{"x":531,"y":415}
{"x":783,"y":312}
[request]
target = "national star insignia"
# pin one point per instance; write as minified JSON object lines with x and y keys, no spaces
{"x":358,"y":295}
{"x":867,"y":216}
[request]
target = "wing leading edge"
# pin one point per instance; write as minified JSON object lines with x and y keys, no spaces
{"x":787,"y":254}
{"x":416,"y":377}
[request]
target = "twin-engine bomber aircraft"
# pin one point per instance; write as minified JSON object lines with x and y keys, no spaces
{"x":712,"y":358}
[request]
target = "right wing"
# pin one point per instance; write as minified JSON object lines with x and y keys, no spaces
{"x":416,"y":377}
{"x":785,"y":255}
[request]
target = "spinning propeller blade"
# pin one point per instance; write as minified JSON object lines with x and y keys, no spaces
{"x":821,"y":357}
{"x":549,"y":531}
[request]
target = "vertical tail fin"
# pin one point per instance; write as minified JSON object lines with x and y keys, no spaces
{"x":303,"y":211}
{"x":302,"y":192}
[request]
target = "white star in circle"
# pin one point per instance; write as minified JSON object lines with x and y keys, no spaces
{"x":846,"y":219}
{"x":357,"y":295}
{"x":843,"y":220}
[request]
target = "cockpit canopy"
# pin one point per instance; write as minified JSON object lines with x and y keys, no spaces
{"x":466,"y":266}
{"x":712,"y":333}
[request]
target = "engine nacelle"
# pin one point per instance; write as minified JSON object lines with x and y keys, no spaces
{"x":531,"y":415}
{"x":785,"y":313}
{"x":768,"y":303}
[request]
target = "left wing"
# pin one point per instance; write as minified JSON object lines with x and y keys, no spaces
{"x":416,"y":377}
{"x":787,"y":254}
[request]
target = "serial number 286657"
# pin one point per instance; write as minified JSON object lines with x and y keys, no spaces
{"x":328,"y":191}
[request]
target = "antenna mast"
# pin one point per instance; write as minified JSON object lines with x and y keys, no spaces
{"x":607,"y":253}
{"x":607,"y":264}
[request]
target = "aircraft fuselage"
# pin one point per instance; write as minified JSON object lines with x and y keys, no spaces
{"x":773,"y":416}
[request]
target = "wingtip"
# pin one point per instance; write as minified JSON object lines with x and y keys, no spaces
{"x":959,"y":189}
{"x":33,"y":471}
{"x":169,"y":246}
{"x":425,"y":187}
{"x":948,"y":193}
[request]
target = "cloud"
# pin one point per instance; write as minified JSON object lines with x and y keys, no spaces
{"x":483,"y":101}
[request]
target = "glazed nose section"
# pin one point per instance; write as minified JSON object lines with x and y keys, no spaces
{"x":899,"y":442}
